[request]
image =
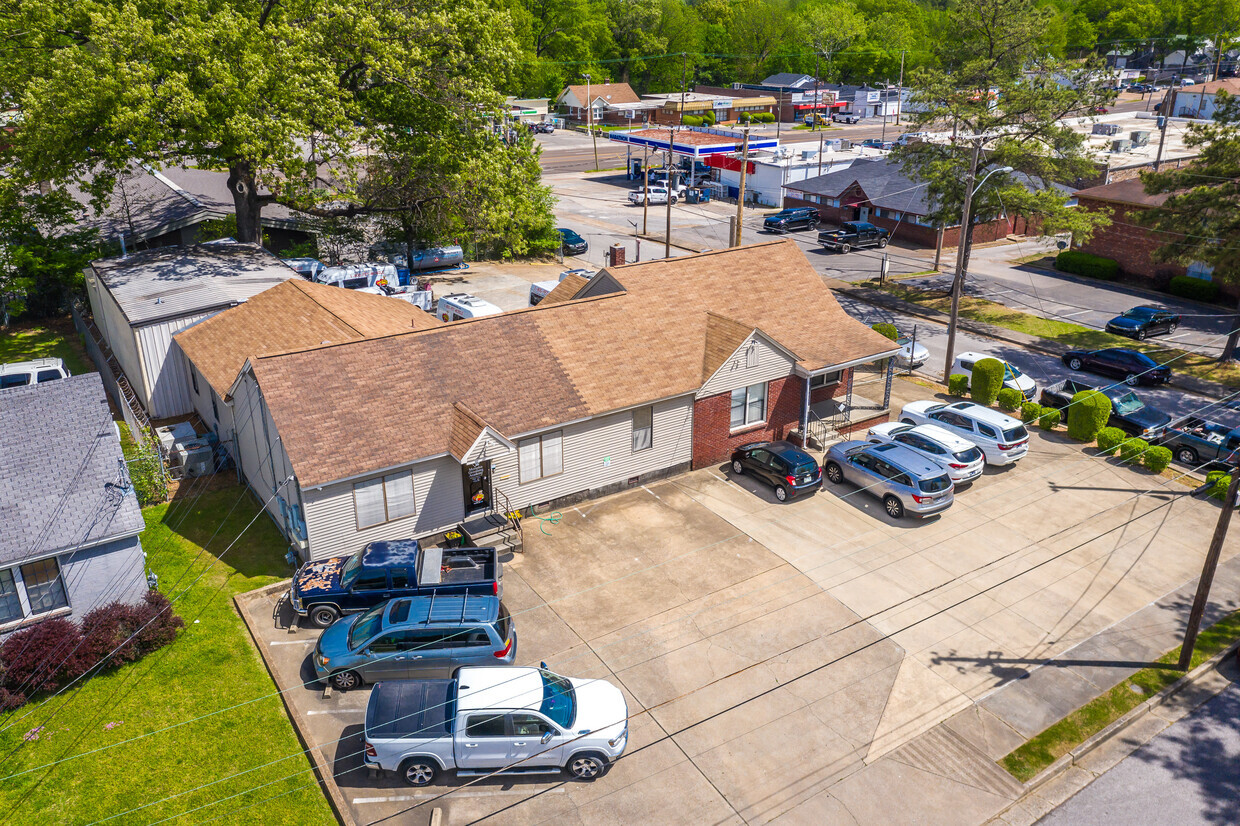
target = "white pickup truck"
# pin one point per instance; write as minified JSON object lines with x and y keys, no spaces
{"x":658,"y":195}
{"x":517,"y":720}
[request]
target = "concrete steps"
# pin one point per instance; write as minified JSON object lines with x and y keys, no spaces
{"x":492,"y":530}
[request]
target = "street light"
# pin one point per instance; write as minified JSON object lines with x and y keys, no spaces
{"x":590,"y":120}
{"x":962,"y":252}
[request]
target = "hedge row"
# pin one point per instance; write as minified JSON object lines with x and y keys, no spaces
{"x":1088,"y":264}
{"x":1197,"y":289}
{"x":1132,"y":450}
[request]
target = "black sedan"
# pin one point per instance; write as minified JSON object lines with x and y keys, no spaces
{"x":573,"y":243}
{"x":1133,"y":367}
{"x":791,"y":218}
{"x":1140,"y":322}
{"x":785,"y":467}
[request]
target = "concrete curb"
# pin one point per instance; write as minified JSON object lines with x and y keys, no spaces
{"x":1144,"y":291}
{"x":1056,"y":770}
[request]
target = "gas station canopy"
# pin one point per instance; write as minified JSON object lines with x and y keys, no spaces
{"x":693,"y":141}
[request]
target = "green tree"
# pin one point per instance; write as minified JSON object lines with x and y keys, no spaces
{"x":42,"y":252}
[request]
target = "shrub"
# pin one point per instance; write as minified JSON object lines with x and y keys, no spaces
{"x":1158,"y":459}
{"x":1088,"y":414}
{"x":1009,"y":399}
{"x":691,"y":120}
{"x":1214,"y":475}
{"x":43,"y":658}
{"x":1084,"y":263}
{"x":1219,"y":491}
{"x":146,"y":471}
{"x":1197,"y":289}
{"x":1049,"y":419}
{"x":708,"y":118}
{"x":1030,"y":411}
{"x":885,"y":329}
{"x":987,"y":381}
{"x":958,"y":385}
{"x":1133,"y":450}
{"x":763,"y":117}
{"x":1109,"y":439}
{"x":119,"y":633}
{"x":745,"y":117}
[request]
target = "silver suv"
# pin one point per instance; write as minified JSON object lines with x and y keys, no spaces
{"x":906,"y":481}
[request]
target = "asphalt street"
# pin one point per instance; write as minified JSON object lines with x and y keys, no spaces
{"x":1187,"y":775}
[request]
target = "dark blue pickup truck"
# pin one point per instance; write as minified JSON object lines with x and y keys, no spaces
{"x":325,"y":589}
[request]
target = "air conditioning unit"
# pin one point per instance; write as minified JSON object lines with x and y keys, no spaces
{"x":1106,"y":129}
{"x":198,"y":459}
{"x":1121,"y":145}
{"x":1140,"y":137}
{"x":808,"y":154}
{"x":845,"y":144}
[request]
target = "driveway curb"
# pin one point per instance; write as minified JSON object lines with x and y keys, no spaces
{"x":1042,"y":794}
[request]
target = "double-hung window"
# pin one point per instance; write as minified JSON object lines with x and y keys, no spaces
{"x":643,"y":428}
{"x":40,"y":583}
{"x":540,"y":456}
{"x":383,"y":498}
{"x":748,"y":405}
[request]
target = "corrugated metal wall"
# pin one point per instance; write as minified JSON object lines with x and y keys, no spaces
{"x":165,"y":371}
{"x":115,"y":328}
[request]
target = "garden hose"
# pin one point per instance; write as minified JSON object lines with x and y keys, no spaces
{"x":554,"y":518}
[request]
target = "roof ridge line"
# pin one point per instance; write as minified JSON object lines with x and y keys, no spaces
{"x":299,"y":281}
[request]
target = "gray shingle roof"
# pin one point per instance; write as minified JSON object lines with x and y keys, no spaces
{"x":169,"y":282}
{"x":883,"y":181}
{"x":62,"y":462}
{"x":789,"y":80}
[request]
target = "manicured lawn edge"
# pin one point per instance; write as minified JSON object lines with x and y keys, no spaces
{"x":1027,"y":761}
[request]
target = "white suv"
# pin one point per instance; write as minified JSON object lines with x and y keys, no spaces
{"x":962,"y":459}
{"x":21,"y":373}
{"x":1013,"y":378}
{"x":1002,"y":439}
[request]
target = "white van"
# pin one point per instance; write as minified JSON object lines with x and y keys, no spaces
{"x":541,"y":289}
{"x":1012,"y":376}
{"x":22,"y":373}
{"x":359,"y":276}
{"x":463,"y":305}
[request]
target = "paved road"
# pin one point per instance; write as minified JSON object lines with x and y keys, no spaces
{"x":1187,"y":775}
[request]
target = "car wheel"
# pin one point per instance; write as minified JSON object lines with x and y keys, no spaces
{"x":844,"y":249}
{"x":346,"y":680}
{"x":1132,"y":379}
{"x":673,"y":202}
{"x":323,"y":615}
{"x":418,"y":771}
{"x":1187,"y":455}
{"x":587,"y":766}
{"x":1171,"y":328}
{"x":813,"y":225}
{"x":781,"y":493}
{"x":1075,"y":364}
{"x":882,"y":242}
{"x":834,"y":473}
{"x":737,"y":467}
{"x":1141,"y":335}
{"x":893,"y":506}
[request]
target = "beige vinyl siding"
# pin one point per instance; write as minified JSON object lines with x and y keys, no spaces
{"x":585,"y":446}
{"x":164,"y":367}
{"x":772,"y":363}
{"x":114,"y":326}
{"x":331,"y":520}
{"x":264,"y":464}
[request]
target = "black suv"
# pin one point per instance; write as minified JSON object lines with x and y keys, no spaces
{"x":572,"y":243}
{"x":853,"y":235}
{"x":791,"y":218}
{"x":782,"y":465}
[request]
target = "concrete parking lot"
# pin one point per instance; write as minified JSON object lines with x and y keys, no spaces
{"x":810,"y":662}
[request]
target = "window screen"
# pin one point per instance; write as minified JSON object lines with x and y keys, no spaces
{"x":748,"y":405}
{"x":540,"y":456}
{"x":643,"y":428}
{"x":10,"y":603}
{"x":399,"y":492}
{"x":384,"y":499}
{"x":368,"y":498}
{"x":44,"y":589}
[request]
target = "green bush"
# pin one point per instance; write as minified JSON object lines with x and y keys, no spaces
{"x":1084,"y":263}
{"x":691,"y":120}
{"x":958,"y":385}
{"x":1133,"y":450}
{"x":1197,"y":289}
{"x":763,"y":117}
{"x":708,"y":118}
{"x":1158,"y":458}
{"x":987,"y":381}
{"x":1050,"y":418}
{"x":1030,"y":411}
{"x":744,"y":117}
{"x":1109,"y":439}
{"x":1009,"y":399}
{"x":885,"y":329}
{"x":1088,"y":414}
{"x":1221,"y":483}
{"x":1214,"y":475}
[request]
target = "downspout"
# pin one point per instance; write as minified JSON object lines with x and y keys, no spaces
{"x":805,"y":417}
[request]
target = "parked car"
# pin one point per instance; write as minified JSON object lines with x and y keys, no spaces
{"x":1128,"y":412}
{"x":905,"y":481}
{"x":875,"y":143}
{"x":911,"y":355}
{"x":785,"y":467}
{"x":655,"y":195}
{"x":21,"y":373}
{"x":1133,"y":367}
{"x":455,"y":306}
{"x":1100,"y":110}
{"x":1002,"y":439}
{"x":840,"y":117}
{"x":323,"y":590}
{"x":415,"y":638}
{"x":571,"y":242}
{"x":516,"y":719}
{"x":1012,"y":376}
{"x":790,"y":219}
{"x":1143,"y":321}
{"x":545,"y":127}
{"x":1194,"y":440}
{"x":962,"y":459}
{"x":659,"y":177}
{"x":853,"y":234}
{"x":912,"y":137}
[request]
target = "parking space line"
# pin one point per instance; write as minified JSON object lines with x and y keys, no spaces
{"x":1078,"y":312}
{"x":337,"y":711}
{"x":291,"y":642}
{"x":404,"y":798}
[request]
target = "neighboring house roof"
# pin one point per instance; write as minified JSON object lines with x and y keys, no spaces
{"x":611,"y":93}
{"x":788,"y":80}
{"x":528,"y":370}
{"x":882,"y":180}
{"x":170,"y":282}
{"x":566,"y":290}
{"x":1229,"y":85}
{"x":1128,"y":193}
{"x":292,"y":315}
{"x":63,"y":485}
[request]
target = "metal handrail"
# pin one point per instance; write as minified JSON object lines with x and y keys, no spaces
{"x":512,"y":516}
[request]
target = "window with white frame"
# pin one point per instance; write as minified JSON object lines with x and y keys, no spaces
{"x":540,"y":456}
{"x":643,"y":428}
{"x":824,"y":379}
{"x":748,"y":405}
{"x":31,"y":589}
{"x":383,"y":499}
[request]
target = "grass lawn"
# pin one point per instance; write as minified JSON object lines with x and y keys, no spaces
{"x":49,"y":339}
{"x":211,"y":666}
{"x":1027,"y":761}
{"x":1064,"y":332}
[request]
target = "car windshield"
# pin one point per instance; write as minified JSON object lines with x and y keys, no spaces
{"x":904,"y":341}
{"x":559,"y":701}
{"x":805,"y":469}
{"x":1139,"y":313}
{"x":1015,"y":434}
{"x":1144,"y":360}
{"x":970,"y":455}
{"x":570,"y":236}
{"x":1128,"y":403}
{"x":366,"y":626}
{"x":938,"y":483}
{"x":1011,"y":371}
{"x":350,"y":569}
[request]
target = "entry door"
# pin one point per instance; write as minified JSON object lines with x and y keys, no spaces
{"x":477,"y":486}
{"x":863,"y":214}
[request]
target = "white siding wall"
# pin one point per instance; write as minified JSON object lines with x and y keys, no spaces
{"x":165,"y":372}
{"x":114,"y":327}
{"x":772,"y":364}
{"x":264,"y":464}
{"x":331,"y":518}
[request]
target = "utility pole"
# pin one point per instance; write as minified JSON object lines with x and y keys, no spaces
{"x":740,"y":195}
{"x":779,"y":113}
{"x":817,"y":125}
{"x":1164,"y":118}
{"x":590,"y":121}
{"x":671,"y":166}
{"x":645,"y":197}
{"x":900,"y":89}
{"x":958,"y":281}
{"x":1207,"y":572}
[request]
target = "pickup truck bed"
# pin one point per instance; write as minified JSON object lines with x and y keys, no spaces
{"x":389,"y":715}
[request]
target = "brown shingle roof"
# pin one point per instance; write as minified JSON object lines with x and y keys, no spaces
{"x":292,"y":315}
{"x":531,"y":369}
{"x":723,"y":336}
{"x":613,"y":93}
{"x":566,"y":289}
{"x":466,"y":427}
{"x":1130,"y":192}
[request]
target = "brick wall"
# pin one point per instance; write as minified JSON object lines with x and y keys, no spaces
{"x":1129,"y":243}
{"x":907,"y":231}
{"x":713,"y":441}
